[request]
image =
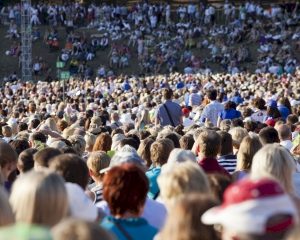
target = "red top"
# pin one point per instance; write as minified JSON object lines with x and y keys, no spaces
{"x":211,"y":165}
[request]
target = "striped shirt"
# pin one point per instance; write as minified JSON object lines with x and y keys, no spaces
{"x":228,"y":162}
{"x":98,"y":191}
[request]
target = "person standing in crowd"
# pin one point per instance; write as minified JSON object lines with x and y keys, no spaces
{"x":212,"y":109}
{"x":168,"y":113}
{"x":126,"y":201}
{"x":208,"y":147}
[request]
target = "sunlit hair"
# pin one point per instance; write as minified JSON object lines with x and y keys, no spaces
{"x":98,"y":161}
{"x":184,"y":221}
{"x":247,"y":150}
{"x":178,"y":155}
{"x":274,"y":161}
{"x":238,"y":133}
{"x":103,"y":143}
{"x":177,"y":181}
{"x":39,"y":198}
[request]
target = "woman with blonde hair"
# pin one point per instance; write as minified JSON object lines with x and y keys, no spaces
{"x":237,"y":133}
{"x":184,"y":221}
{"x":39,"y":198}
{"x":177,"y":181}
{"x":274,"y":161}
{"x":103,"y":143}
{"x":249,"y":146}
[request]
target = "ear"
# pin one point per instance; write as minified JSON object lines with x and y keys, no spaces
{"x":91,"y":173}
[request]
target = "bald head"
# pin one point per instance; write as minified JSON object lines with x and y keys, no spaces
{"x":284,"y":132}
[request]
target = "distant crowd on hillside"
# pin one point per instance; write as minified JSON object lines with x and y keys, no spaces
{"x":237,"y":38}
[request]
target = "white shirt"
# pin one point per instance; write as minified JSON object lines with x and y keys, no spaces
{"x":287,"y":144}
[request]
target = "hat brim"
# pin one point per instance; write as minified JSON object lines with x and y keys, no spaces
{"x":250,"y":216}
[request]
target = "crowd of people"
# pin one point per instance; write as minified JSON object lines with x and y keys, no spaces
{"x":162,"y":39}
{"x":179,"y":156}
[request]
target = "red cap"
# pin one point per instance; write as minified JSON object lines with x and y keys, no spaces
{"x":185,"y":111}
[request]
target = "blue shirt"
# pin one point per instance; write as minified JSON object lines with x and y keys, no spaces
{"x":284,"y":111}
{"x":152,"y":175}
{"x":230,"y":114}
{"x":136,"y":228}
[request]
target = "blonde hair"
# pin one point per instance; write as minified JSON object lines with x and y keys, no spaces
{"x":184,"y":221}
{"x":7,"y":131}
{"x":274,"y":161}
{"x":180,"y":179}
{"x":247,"y":150}
{"x":90,"y":140}
{"x":238,"y":133}
{"x":98,"y":161}
{"x":78,"y":143}
{"x":6,"y":214}
{"x":39,"y":198}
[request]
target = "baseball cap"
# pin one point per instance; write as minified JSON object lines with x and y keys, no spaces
{"x":249,"y":204}
{"x":271,"y":103}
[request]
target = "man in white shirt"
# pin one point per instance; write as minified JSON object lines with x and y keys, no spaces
{"x":212,"y":110}
{"x":285,"y":136}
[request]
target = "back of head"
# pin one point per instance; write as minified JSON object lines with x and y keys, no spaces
{"x":184,"y":221}
{"x":75,"y":229}
{"x":118,"y":182}
{"x":248,"y":148}
{"x":177,"y":181}
{"x":226,"y":143}
{"x":20,"y":145}
{"x":209,"y":142}
{"x":237,"y":134}
{"x":43,"y":157}
{"x":212,"y":94}
{"x":25,"y":160}
{"x":78,"y":143}
{"x":284,"y":132}
{"x":7,"y":154}
{"x":98,"y":161}
{"x":274,"y":161}
{"x":39,"y":198}
{"x":160,"y":151}
{"x":103,"y":142}
{"x":178,"y":155}
{"x":72,"y":168}
{"x":186,"y":142}
{"x":167,"y":93}
{"x":268,"y":135}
